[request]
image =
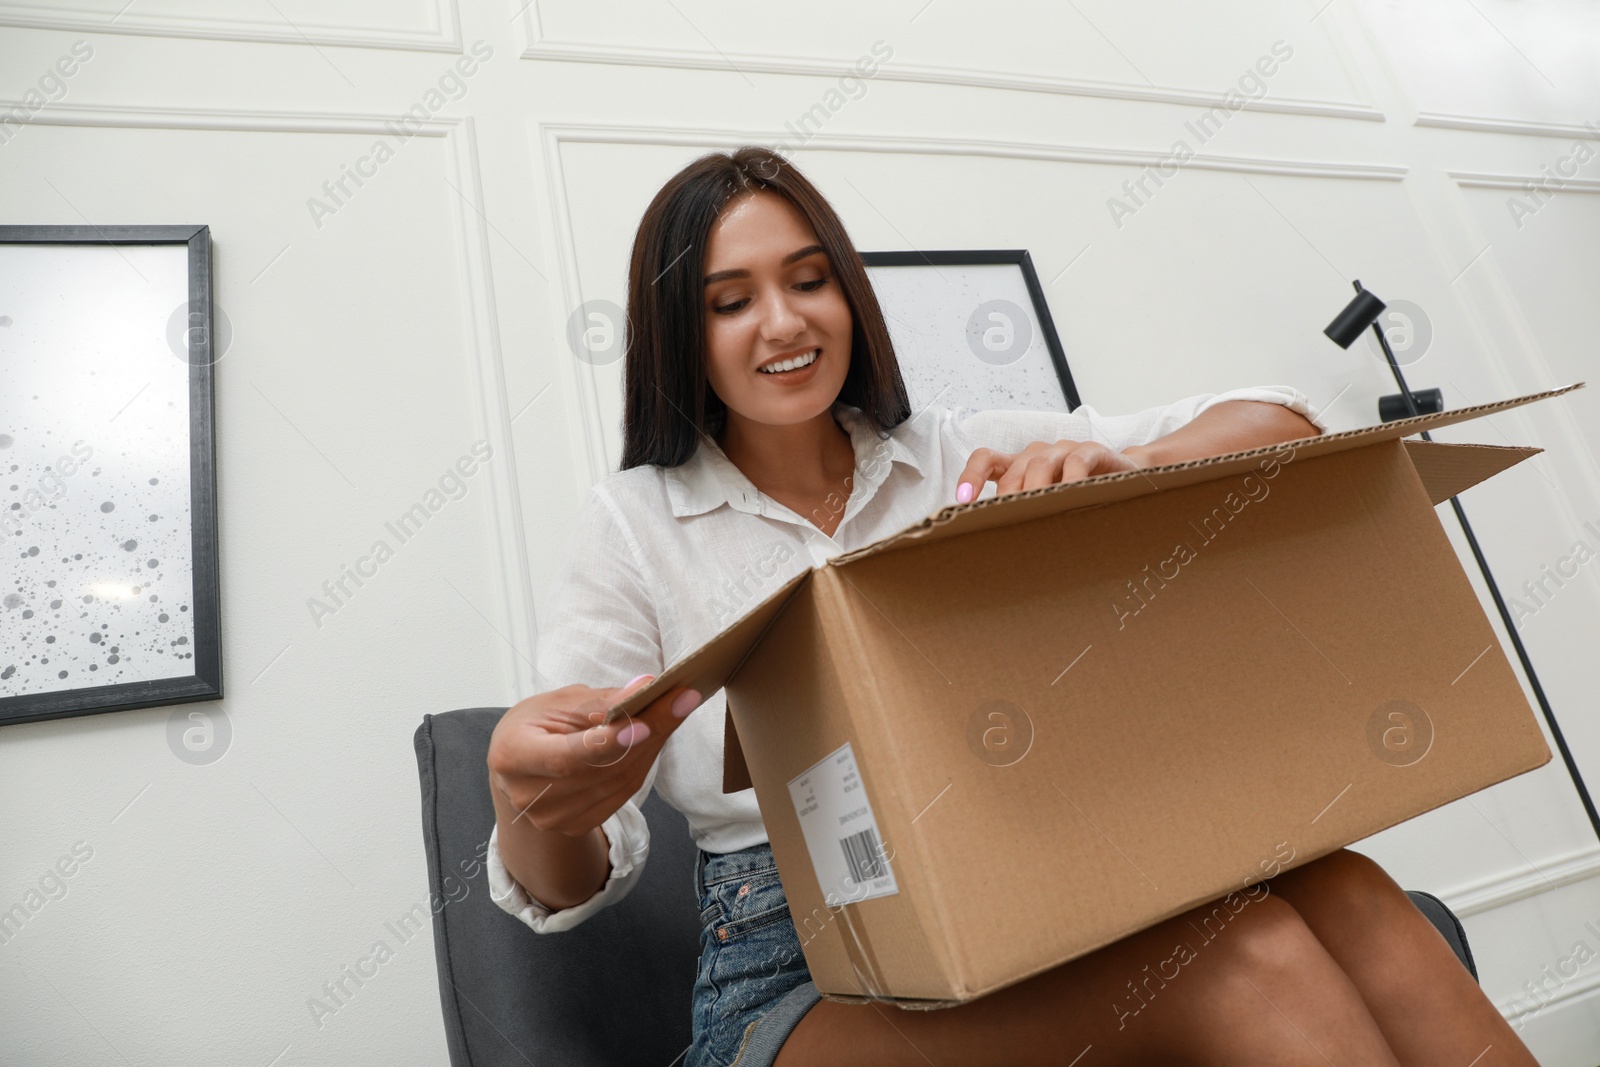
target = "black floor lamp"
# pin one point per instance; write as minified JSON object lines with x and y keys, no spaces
{"x":1361,"y":312}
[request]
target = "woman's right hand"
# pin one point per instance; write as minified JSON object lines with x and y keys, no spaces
{"x":557,"y":767}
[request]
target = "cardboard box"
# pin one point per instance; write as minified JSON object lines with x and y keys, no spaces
{"x":1033,"y":724}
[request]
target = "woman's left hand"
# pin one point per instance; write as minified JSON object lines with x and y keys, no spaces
{"x":1040,"y":463}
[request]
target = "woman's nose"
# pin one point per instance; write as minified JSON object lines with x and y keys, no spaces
{"x":779,"y":318}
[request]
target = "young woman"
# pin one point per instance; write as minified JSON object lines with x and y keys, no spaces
{"x":767,"y":428}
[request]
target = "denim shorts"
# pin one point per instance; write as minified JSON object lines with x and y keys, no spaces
{"x":753,"y":984}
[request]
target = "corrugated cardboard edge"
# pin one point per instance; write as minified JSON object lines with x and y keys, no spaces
{"x":1028,"y":504}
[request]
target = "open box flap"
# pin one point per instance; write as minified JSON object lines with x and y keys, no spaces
{"x":1101,"y":489}
{"x":735,"y":772}
{"x":709,"y":667}
{"x":1448,"y":469}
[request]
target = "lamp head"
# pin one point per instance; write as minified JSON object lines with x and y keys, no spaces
{"x":1357,"y":315}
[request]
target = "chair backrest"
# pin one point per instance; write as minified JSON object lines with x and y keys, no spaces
{"x":613,"y":990}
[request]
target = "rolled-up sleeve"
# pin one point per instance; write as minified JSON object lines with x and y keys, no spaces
{"x":600,"y":630}
{"x":1013,"y":430}
{"x":629,"y":838}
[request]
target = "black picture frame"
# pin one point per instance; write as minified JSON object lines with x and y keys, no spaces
{"x":205,"y":683}
{"x":1017,"y":257}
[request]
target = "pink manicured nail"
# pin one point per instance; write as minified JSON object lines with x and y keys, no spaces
{"x":687,"y":701}
{"x":633,"y":733}
{"x":964,"y":493}
{"x":630,"y":684}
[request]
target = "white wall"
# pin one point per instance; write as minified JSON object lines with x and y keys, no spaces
{"x":375,"y":344}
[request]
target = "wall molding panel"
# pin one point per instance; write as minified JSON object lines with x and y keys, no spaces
{"x":1501,"y":324}
{"x":1519,"y":127}
{"x":1519,"y":182}
{"x":178,"y":118}
{"x":543,"y":48}
{"x":445,"y":37}
{"x":961,"y":146}
{"x":1488,"y":894}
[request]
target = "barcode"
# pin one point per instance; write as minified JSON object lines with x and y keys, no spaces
{"x":862,"y":854}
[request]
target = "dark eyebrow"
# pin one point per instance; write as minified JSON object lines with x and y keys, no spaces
{"x":802,"y":253}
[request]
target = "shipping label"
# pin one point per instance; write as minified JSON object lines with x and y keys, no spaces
{"x":841,"y":832}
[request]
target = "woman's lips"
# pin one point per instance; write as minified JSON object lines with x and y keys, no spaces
{"x":795,"y":377}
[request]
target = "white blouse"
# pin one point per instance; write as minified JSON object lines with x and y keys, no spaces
{"x":664,"y":558}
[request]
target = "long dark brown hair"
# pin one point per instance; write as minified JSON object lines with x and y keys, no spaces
{"x":669,"y":401}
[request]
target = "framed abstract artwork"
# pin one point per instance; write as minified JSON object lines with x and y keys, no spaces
{"x":108,"y":496}
{"x":972,"y":329}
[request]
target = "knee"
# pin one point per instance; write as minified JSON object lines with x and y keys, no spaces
{"x":1352,"y":884}
{"x":1270,"y":936}
{"x":1248,"y":931}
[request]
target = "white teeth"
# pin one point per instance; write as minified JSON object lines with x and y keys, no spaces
{"x":792,"y":364}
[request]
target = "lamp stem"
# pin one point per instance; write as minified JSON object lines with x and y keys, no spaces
{"x":1500,"y":604}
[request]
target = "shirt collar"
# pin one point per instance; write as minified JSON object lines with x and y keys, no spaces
{"x":710,"y":479}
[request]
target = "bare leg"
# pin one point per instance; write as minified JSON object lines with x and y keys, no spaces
{"x":1261,"y":990}
{"x":1425,"y":1002}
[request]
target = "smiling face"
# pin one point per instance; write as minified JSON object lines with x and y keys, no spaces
{"x":772,"y":298}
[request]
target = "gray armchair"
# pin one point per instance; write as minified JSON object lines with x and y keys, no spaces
{"x":514,"y":997}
